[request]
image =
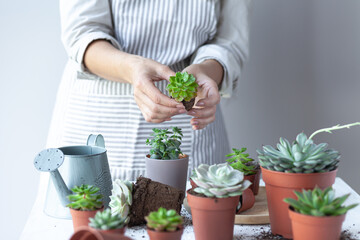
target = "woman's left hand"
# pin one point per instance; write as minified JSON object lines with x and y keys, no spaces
{"x":208,"y":75}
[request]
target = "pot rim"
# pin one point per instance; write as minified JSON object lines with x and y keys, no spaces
{"x":147,"y":157}
{"x":297,"y":174}
{"x":76,"y":210}
{"x":178,"y":230}
{"x":292,"y":210}
{"x":315,"y":220}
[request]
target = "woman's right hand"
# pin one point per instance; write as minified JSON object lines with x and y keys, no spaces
{"x":155,"y":106}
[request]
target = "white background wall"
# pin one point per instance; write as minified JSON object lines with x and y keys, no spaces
{"x":303,"y":74}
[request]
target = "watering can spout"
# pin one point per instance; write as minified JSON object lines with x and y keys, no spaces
{"x":49,"y":160}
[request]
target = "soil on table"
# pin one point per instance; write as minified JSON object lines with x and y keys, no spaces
{"x":149,"y":196}
{"x":188,"y":104}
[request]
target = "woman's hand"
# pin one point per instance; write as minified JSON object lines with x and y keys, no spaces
{"x":208,"y":75}
{"x":155,"y":106}
{"x":103,"y":59}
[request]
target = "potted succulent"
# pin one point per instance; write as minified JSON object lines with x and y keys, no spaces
{"x":240,"y":161}
{"x":183,"y":88}
{"x":166,"y":163}
{"x":164,"y":225}
{"x":317,"y":214}
{"x":84,"y":203}
{"x":300,"y":165}
{"x":106,"y":222}
{"x":213,"y":202}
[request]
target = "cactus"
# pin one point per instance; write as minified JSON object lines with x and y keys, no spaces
{"x":107,"y":221}
{"x":121,"y":198}
{"x":219,"y":180}
{"x":183,"y":88}
{"x":165,"y":146}
{"x":164,"y":220}
{"x":319,"y":203}
{"x":85,"y":198}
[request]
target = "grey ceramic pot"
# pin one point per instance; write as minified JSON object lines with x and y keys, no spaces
{"x":170,"y":172}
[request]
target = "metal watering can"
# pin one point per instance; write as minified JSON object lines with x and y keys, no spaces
{"x":71,"y":166}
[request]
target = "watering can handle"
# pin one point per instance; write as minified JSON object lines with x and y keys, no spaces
{"x":96,"y":140}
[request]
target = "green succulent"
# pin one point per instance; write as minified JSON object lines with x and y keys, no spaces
{"x":303,"y":155}
{"x":165,"y":144}
{"x":240,"y":161}
{"x":85,"y":198}
{"x":182,"y":86}
{"x":319,"y":203}
{"x":121,"y":198}
{"x":164,"y":220}
{"x":219,"y":180}
{"x":106,"y":221}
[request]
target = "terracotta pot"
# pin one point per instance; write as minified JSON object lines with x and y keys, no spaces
{"x":255,"y":180}
{"x":281,"y":185}
{"x":213,"y":218}
{"x":170,"y":172}
{"x":307,"y":227}
{"x":87,"y":233}
{"x":119,"y":231}
{"x":154,"y":235}
{"x":81,"y":218}
{"x":247,"y":200}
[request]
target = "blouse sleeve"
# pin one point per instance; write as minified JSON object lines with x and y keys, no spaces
{"x":230,"y":44}
{"x":83,"y":21}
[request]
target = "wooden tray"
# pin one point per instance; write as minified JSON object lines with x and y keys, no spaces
{"x":258,"y":214}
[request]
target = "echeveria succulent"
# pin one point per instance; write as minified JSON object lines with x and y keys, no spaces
{"x":106,"y":221}
{"x":164,"y":220}
{"x":319,"y":203}
{"x":121,"y":198}
{"x":219,"y":180}
{"x":165,"y":144}
{"x":240,"y":160}
{"x":85,"y":198}
{"x":182,"y":86}
{"x":303,"y":155}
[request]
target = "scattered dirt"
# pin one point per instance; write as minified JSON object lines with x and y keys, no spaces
{"x":347,"y":235}
{"x":149,"y":195}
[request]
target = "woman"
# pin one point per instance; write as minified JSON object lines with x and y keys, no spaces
{"x":121,"y":52}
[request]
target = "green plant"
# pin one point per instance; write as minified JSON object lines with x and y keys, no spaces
{"x":165,"y":144}
{"x":121,"y":198}
{"x":164,"y":220}
{"x":240,"y":161}
{"x":106,"y":221}
{"x":182,"y":86}
{"x":85,"y":198}
{"x":219,"y":180}
{"x":303,"y":155}
{"x":319,"y":203}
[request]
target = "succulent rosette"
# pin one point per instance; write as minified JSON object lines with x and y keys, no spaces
{"x":219,"y":180}
{"x":121,"y":198}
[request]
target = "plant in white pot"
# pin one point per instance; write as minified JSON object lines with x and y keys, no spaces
{"x":213,"y":202}
{"x":317,"y":214}
{"x":300,"y":165}
{"x":166,"y":163}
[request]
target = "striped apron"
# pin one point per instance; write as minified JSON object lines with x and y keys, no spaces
{"x":167,"y":31}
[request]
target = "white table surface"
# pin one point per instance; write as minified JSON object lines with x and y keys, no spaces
{"x":42,"y":227}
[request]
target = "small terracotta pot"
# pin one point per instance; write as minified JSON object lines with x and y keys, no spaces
{"x":88,"y":233}
{"x":81,"y":218}
{"x":213,"y":218}
{"x":280,"y":185}
{"x":154,"y":235}
{"x":255,"y":180}
{"x":307,"y":227}
{"x":247,"y":200}
{"x":169,"y":172}
{"x":119,"y":231}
